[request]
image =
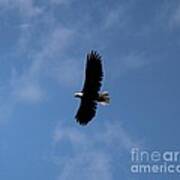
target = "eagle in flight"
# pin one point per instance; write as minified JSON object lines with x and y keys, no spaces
{"x":90,"y":95}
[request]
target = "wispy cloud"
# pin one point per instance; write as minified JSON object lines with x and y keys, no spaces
{"x":26,"y":8}
{"x":128,"y":63}
{"x":168,"y":16}
{"x":89,"y":153}
{"x":61,"y":2}
{"x":133,"y":61}
{"x":67,"y":73}
{"x":116,"y":17}
{"x":90,"y":166}
{"x":26,"y":85}
{"x":25,"y":89}
{"x":174,"y":18}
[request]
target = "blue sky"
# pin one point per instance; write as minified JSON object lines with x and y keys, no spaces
{"x":43,"y":47}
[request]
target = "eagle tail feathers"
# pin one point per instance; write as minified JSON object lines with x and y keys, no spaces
{"x":104,"y":98}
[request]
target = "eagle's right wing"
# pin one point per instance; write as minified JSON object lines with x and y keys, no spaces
{"x":86,"y":111}
{"x":93,"y":74}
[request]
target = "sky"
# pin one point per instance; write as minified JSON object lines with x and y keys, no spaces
{"x":43,"y":47}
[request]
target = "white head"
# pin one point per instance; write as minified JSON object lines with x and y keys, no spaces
{"x":78,"y":94}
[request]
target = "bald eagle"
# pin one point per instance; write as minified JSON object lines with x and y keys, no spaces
{"x":90,"y":94}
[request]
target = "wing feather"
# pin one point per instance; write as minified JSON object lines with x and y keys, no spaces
{"x":86,"y":111}
{"x":93,"y":74}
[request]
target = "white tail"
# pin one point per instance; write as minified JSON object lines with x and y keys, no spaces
{"x":104,"y":98}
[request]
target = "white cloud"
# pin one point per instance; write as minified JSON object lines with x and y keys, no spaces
{"x":134,"y":61}
{"x":174,"y":18}
{"x":89,"y":166}
{"x":25,"y":7}
{"x":27,"y":86}
{"x":67,"y":73}
{"x":28,"y":92}
{"x":127,"y":63}
{"x":52,"y":60}
{"x":58,"y":40}
{"x":115,"y":133}
{"x":90,"y":154}
{"x":168,"y":17}
{"x":61,"y":2}
{"x":115,"y":17}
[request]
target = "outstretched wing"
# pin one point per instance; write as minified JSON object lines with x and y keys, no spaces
{"x":92,"y":84}
{"x":93,"y":74}
{"x":86,"y":111}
